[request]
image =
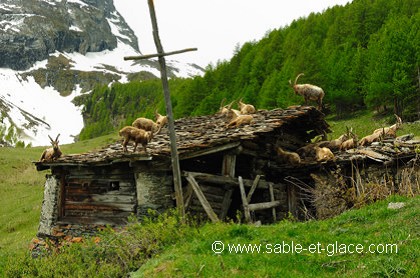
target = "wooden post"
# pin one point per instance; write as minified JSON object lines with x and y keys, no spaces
{"x":244,"y":200}
{"x":200,"y":195}
{"x":272,"y":199}
{"x":176,"y":170}
{"x":253,"y":187}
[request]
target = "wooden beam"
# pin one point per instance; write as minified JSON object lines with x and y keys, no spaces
{"x":265,"y":205}
{"x":291,"y":199}
{"x":272,"y":199}
{"x":200,"y":195}
{"x":209,"y":151}
{"x":227,"y":200}
{"x":148,"y":56}
{"x":244,"y":200}
{"x":253,"y":187}
{"x":224,"y":180}
{"x":229,"y":165}
{"x":176,"y":170}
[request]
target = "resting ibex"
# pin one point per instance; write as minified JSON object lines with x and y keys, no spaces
{"x":289,"y":157}
{"x":308,"y":91}
{"x":381,"y":133}
{"x":238,"y":119}
{"x":391,"y":130}
{"x":324,"y":154}
{"x":51,"y":153}
{"x":246,"y":108}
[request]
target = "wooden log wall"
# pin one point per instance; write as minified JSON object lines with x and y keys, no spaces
{"x":105,"y":195}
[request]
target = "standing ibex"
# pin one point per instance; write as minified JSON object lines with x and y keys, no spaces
{"x":160,"y":119}
{"x":51,"y":153}
{"x":308,"y":91}
{"x":130,"y":133}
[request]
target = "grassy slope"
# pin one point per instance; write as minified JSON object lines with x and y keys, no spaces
{"x":374,"y":224}
{"x":21,"y":193}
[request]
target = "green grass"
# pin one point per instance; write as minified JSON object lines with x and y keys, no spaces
{"x":21,"y":193}
{"x":365,"y":122}
{"x":374,"y":224}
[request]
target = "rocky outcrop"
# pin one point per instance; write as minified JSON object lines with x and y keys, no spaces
{"x":30,"y":30}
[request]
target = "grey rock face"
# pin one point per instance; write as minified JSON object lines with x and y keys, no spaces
{"x":32,"y":29}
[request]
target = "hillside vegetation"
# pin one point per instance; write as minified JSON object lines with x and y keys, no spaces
{"x":365,"y":55}
{"x":162,"y":246}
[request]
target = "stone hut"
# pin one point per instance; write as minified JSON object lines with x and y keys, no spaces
{"x":225,"y":170}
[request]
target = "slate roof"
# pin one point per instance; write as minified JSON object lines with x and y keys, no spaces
{"x":197,"y":133}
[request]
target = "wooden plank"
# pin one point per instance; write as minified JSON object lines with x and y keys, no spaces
{"x":200,"y":195}
{"x":253,"y":187}
{"x":247,"y":213}
{"x":265,"y":205}
{"x":208,"y":151}
{"x":291,"y":199}
{"x":227,"y":200}
{"x":94,"y":206}
{"x":188,"y":195}
{"x":148,"y":56}
{"x":229,"y":165}
{"x":223,"y":180}
{"x":272,"y":199}
{"x":103,"y":198}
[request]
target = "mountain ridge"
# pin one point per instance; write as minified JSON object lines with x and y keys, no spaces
{"x":52,"y":51}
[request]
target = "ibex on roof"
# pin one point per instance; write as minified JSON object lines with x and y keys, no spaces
{"x":308,"y":91}
{"x":51,"y":153}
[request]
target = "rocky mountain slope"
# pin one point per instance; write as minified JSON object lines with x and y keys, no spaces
{"x":54,"y":50}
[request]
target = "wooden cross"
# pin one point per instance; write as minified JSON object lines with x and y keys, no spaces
{"x":171,"y":125}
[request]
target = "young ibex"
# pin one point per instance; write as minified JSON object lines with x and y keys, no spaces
{"x":130,"y":133}
{"x":146,"y":124}
{"x":288,"y":157}
{"x":392,"y":130}
{"x":370,"y":139}
{"x":381,"y":133}
{"x":349,"y":144}
{"x":227,"y":109}
{"x":238,"y":119}
{"x":51,"y":153}
{"x":246,"y":108}
{"x":324,"y":154}
{"x":160,"y":119}
{"x":308,"y":91}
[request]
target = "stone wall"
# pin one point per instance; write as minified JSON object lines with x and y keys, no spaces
{"x":49,"y":210}
{"x":154,"y":191}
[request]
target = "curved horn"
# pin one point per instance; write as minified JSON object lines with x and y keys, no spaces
{"x":297,"y":77}
{"x":50,"y":138}
{"x":56,"y":139}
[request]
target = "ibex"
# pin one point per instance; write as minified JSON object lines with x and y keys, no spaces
{"x":392,"y":130}
{"x":246,"y":108}
{"x":130,"y":133}
{"x":146,"y":124}
{"x":238,"y":119}
{"x":51,"y":153}
{"x":290,"y":157}
{"x":324,"y":154}
{"x":308,"y":91}
{"x":160,"y":119}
